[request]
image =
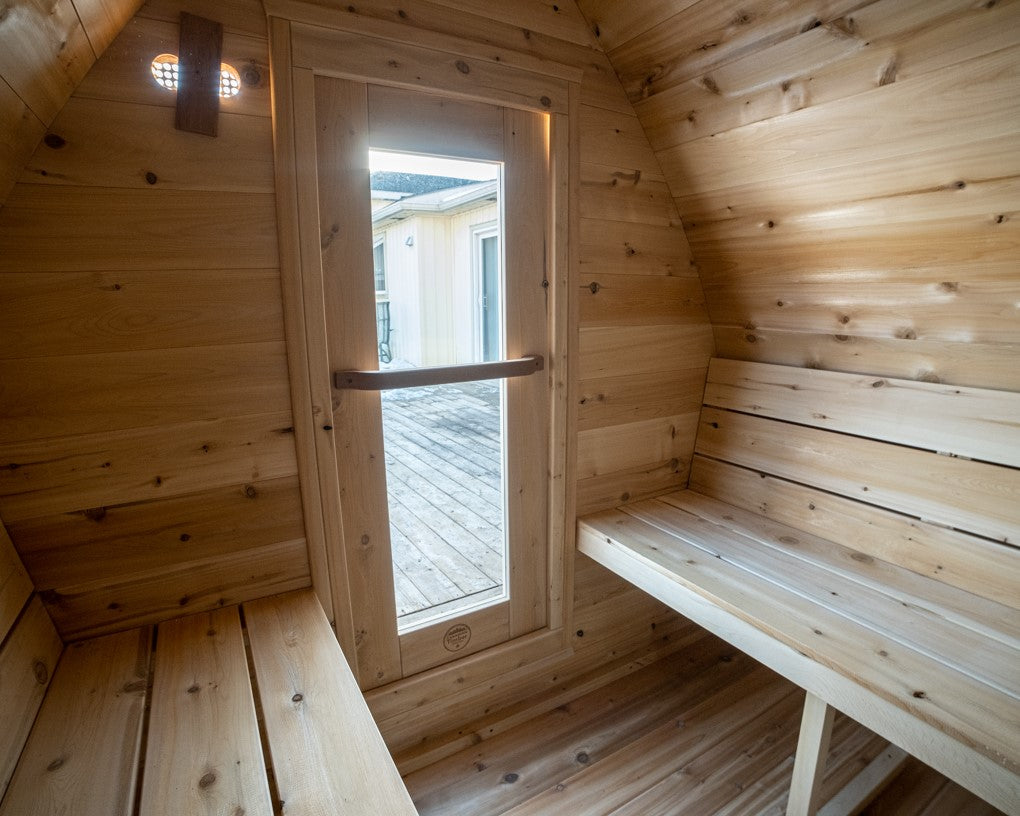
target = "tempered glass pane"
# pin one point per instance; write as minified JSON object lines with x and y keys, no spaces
{"x":437,"y":241}
{"x":444,"y":480}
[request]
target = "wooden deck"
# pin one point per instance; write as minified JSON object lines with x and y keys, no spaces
{"x":443,"y":474}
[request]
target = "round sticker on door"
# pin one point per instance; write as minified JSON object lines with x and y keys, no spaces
{"x":457,"y":637}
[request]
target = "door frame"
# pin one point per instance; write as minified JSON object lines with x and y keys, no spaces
{"x":300,"y":50}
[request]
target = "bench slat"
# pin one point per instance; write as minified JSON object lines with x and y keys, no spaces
{"x":928,"y":742}
{"x":82,"y":755}
{"x":980,"y":615}
{"x":307,"y":691}
{"x":974,"y":422}
{"x":26,"y":665}
{"x":975,"y":496}
{"x":976,"y":565}
{"x":204,"y":754}
{"x":957,"y":704}
{"x":986,"y":660}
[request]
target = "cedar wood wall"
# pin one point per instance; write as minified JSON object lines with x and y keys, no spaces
{"x":146,"y":463}
{"x":846,"y":172}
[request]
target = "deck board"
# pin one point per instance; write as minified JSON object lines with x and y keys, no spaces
{"x":443,"y":472}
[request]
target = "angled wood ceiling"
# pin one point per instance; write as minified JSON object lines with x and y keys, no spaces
{"x":847,"y":172}
{"x":48,"y":47}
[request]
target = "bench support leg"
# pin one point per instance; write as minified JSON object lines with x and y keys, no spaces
{"x":812,"y":752}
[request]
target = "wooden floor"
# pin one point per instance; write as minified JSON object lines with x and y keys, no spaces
{"x":704,"y":732}
{"x":443,"y":474}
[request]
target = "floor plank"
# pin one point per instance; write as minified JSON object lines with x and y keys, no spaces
{"x":704,"y":731}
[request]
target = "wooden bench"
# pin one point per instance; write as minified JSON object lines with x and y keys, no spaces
{"x":856,"y":535}
{"x":173,"y":719}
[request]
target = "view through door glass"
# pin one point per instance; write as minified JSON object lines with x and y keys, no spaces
{"x":436,"y":227}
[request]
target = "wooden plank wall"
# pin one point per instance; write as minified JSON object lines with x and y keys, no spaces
{"x":145,"y":462}
{"x":847,"y":173}
{"x":48,"y":48}
{"x":147,"y":459}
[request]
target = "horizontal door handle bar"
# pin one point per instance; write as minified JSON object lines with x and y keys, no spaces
{"x":436,"y":375}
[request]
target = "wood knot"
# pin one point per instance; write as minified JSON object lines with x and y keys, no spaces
{"x":207,"y":780}
{"x":297,"y":698}
{"x":862,"y":558}
{"x":582,"y":758}
{"x":185,"y":537}
{"x":594,"y":287}
{"x":55,"y":764}
{"x":949,"y":286}
{"x":463,"y":67}
{"x":151,"y":178}
{"x":789,"y":540}
{"x":545,"y":101}
{"x":250,"y":491}
{"x":41,"y":672}
{"x":95,"y":513}
{"x":878,"y":384}
{"x":194,"y":689}
{"x":510,"y":778}
{"x":54,"y":141}
{"x":919,"y":695}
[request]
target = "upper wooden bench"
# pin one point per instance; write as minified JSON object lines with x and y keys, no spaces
{"x":94,"y":750}
{"x":855,"y":534}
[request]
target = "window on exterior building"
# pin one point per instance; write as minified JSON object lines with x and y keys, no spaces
{"x":379,"y":263}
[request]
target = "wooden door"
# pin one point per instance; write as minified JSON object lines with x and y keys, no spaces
{"x":349,"y":117}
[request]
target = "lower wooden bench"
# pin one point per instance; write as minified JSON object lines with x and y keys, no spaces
{"x":908,"y":626}
{"x":192,"y":742}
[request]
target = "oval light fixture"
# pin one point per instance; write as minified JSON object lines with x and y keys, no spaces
{"x":166,"y":72}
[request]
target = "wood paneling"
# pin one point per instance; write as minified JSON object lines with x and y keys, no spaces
{"x":15,"y":586}
{"x":27,"y":661}
{"x":50,"y":228}
{"x":89,"y":546}
{"x":163,"y":593}
{"x":149,"y":385}
{"x":97,"y":312}
{"x":67,"y":473}
{"x":91,"y":152}
{"x":20,"y":132}
{"x":45,"y":53}
{"x":846,"y":171}
{"x":148,"y":435}
{"x":124,"y":74}
{"x":63,"y":396}
{"x":83,"y":752}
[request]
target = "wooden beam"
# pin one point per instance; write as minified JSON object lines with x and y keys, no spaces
{"x":870,"y":782}
{"x":812,"y":752}
{"x":198,"y":93}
